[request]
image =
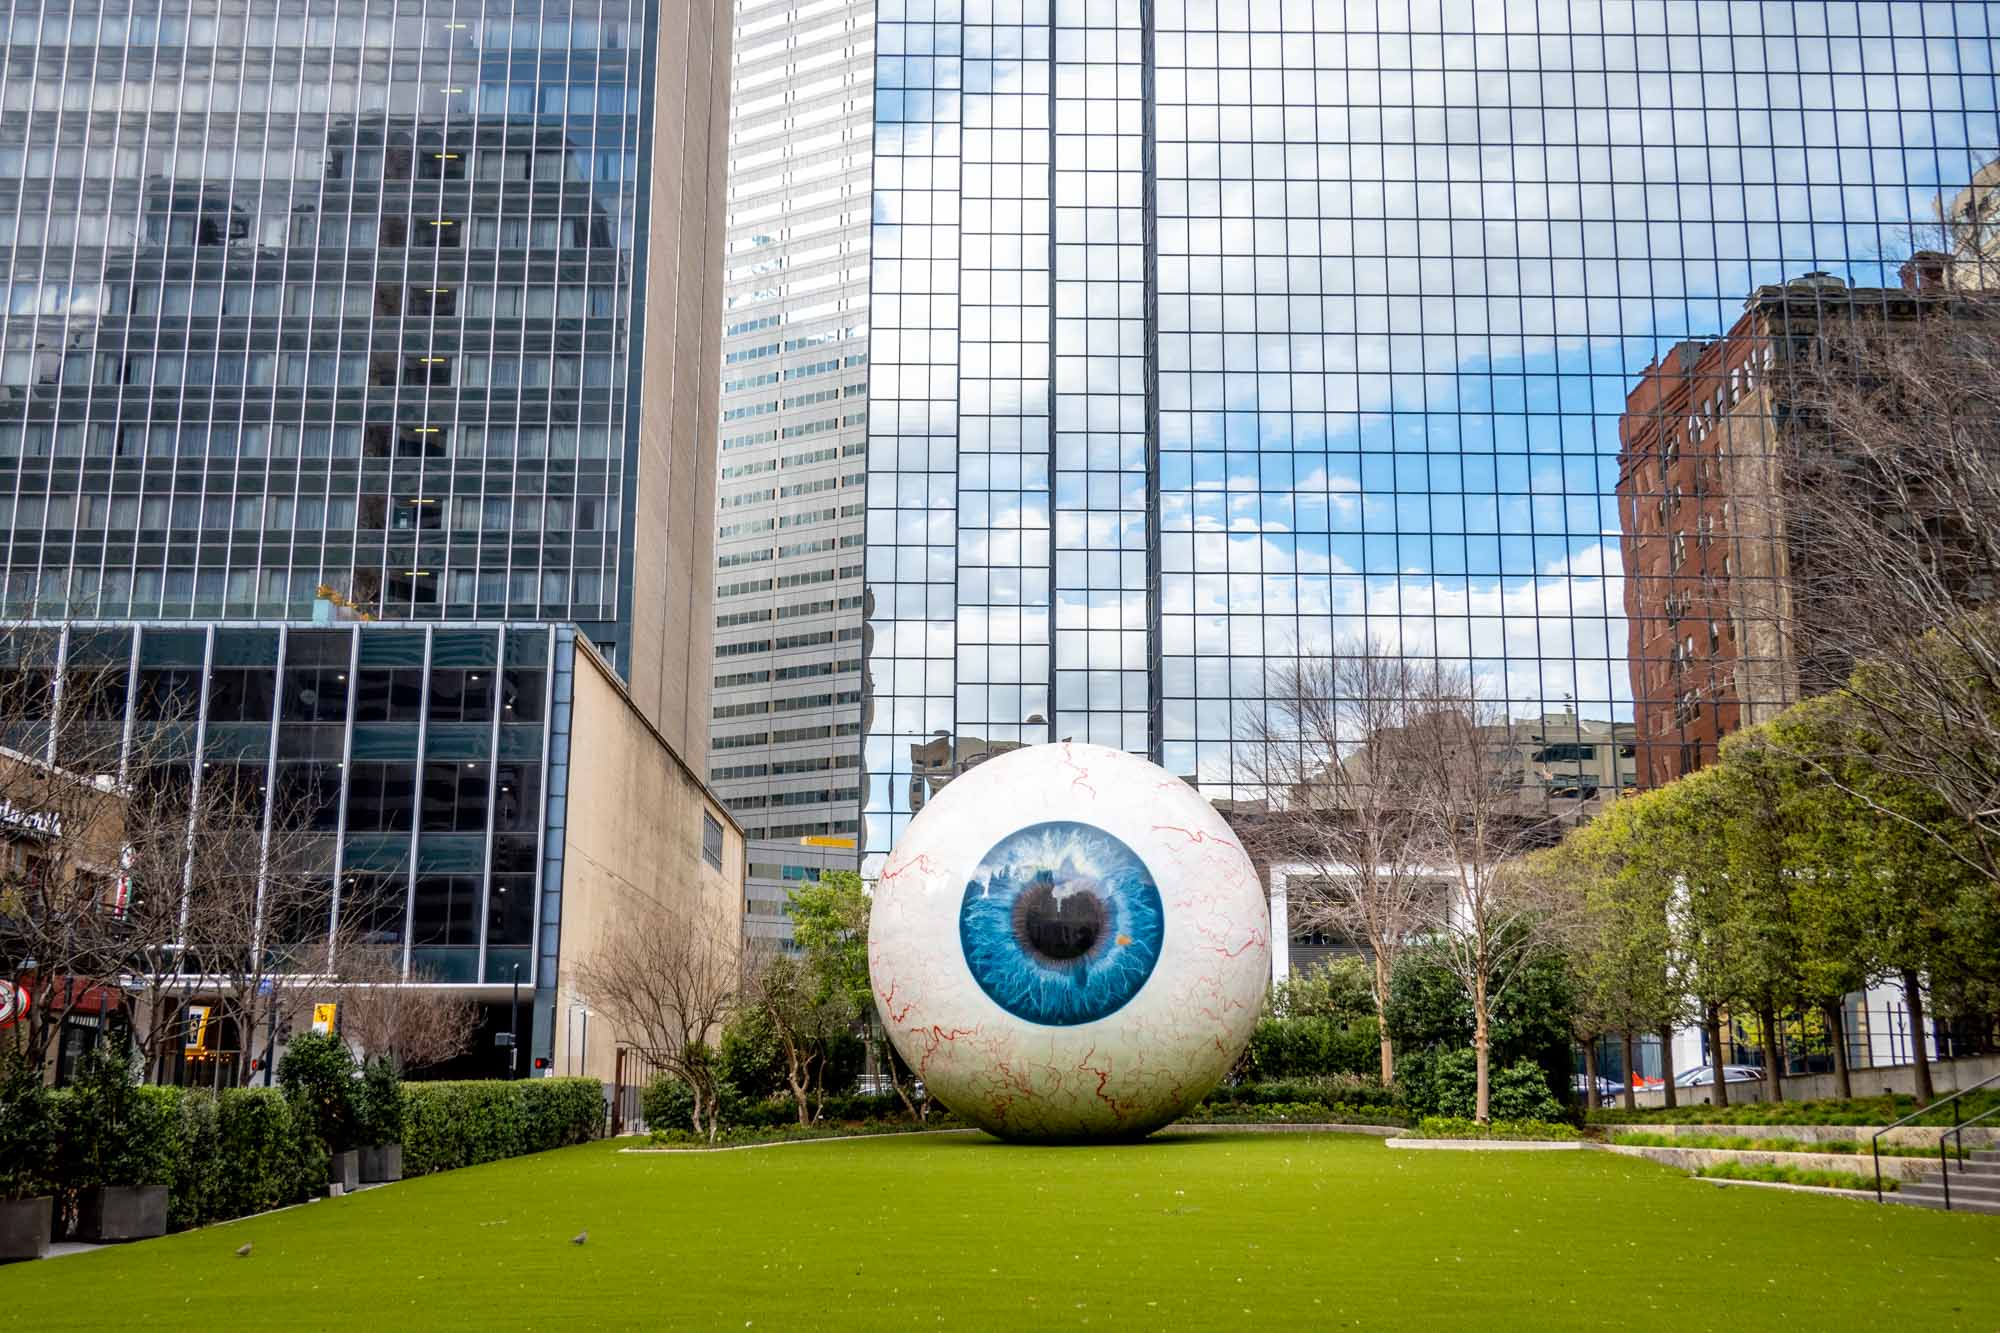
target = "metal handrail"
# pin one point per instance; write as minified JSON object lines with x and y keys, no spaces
{"x":1958,"y":1149}
{"x":1875,"y":1141}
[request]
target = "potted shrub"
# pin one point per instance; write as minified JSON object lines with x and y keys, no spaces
{"x":317,"y":1074}
{"x":381,"y":1123}
{"x":117,"y":1150}
{"x":27,"y":1143}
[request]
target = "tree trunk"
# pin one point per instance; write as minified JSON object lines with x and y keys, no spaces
{"x":1631,"y":1072}
{"x":1913,"y":995}
{"x":1774,"y":1077}
{"x":1590,"y":1072}
{"x":1836,"y":1031}
{"x":1483,"y":1105}
{"x":1382,"y":1019}
{"x":1668,"y":1091}
{"x":1716,"y":1058}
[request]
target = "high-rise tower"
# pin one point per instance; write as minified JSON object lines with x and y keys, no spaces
{"x":787,"y":666}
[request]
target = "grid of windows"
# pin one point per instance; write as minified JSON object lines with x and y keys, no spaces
{"x":795,"y":368}
{"x":1208,"y":335}
{"x":331,"y":297}
{"x":411,"y":760}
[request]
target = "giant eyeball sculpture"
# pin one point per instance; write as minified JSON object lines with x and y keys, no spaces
{"x":1068,"y":944}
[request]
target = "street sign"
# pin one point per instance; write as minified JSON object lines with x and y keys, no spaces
{"x":323,"y":1017}
{"x":197,"y":1028}
{"x":14,"y":1002}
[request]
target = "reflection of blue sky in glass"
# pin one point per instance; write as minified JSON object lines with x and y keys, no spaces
{"x":1411,"y":259}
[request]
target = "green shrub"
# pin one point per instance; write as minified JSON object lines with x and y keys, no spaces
{"x":186,"y":1118}
{"x":1745,"y":1143}
{"x":667,"y":1104}
{"x":750,"y":1056}
{"x":1312,"y":1046}
{"x":27,"y":1130}
{"x":265,"y":1157}
{"x":453,"y":1124}
{"x":1359,"y":1090}
{"x":1290,"y":1113}
{"x":317,"y":1073}
{"x":1828,"y":1111}
{"x":107,"y":1131}
{"x":381,"y":1104}
{"x":1462,"y":1127}
{"x":1446,"y":1083}
{"x":1795,"y":1175}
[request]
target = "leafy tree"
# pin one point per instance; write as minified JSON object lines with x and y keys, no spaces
{"x":1430,"y":1013}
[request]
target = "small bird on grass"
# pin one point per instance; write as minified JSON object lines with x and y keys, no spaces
{"x":243,"y":1250}
{"x":579,"y":1238}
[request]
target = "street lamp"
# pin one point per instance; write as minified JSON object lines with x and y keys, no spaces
{"x":514,"y":1055}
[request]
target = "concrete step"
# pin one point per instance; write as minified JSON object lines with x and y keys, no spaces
{"x":1986,"y":1207}
{"x":1961,"y":1191}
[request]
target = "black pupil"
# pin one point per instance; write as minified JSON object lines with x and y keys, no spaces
{"x":1059,"y":927}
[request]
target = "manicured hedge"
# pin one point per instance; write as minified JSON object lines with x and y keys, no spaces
{"x":220,"y":1156}
{"x":1461,"y":1127}
{"x":448,"y":1125}
{"x":1337,"y":1090}
{"x":1826,"y":1111}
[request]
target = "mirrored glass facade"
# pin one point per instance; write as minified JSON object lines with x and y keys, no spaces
{"x":328,"y":296}
{"x":423,"y":767}
{"x":1211,"y":335}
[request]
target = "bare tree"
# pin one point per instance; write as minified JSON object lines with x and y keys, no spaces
{"x":259,"y":908}
{"x":1463,"y":758}
{"x":69,"y":922}
{"x":407,"y":1022}
{"x":668,"y":987}
{"x":1886,"y":513}
{"x":806,"y":1014}
{"x":1340,"y":811}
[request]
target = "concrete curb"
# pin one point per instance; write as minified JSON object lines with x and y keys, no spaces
{"x":1893,"y":1168}
{"x":792,"y":1143}
{"x":1275,"y":1127}
{"x":1492,"y":1145}
{"x":1856,"y":1196}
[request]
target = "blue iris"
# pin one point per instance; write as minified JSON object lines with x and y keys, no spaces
{"x":1061,"y":923}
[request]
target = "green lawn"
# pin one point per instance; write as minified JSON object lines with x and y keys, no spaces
{"x":964,"y":1232}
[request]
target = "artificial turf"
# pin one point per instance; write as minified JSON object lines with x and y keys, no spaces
{"x":1213,"y":1230}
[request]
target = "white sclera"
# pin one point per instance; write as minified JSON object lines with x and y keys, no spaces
{"x":1121,"y":1076}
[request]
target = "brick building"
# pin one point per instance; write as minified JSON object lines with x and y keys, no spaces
{"x":1717,"y":638}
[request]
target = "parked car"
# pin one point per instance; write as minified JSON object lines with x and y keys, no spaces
{"x":1705,"y":1076}
{"x":1605,"y":1087}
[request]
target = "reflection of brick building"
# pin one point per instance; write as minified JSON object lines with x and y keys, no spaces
{"x":1715,"y":634}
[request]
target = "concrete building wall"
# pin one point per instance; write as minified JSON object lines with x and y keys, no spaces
{"x":675,"y":485}
{"x":632,"y":859}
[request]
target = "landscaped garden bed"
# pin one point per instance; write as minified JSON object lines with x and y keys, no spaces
{"x":1438,"y":1131}
{"x":1774,"y":1173}
{"x":1870,"y":1111}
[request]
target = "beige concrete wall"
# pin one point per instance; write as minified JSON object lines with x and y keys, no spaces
{"x":673,"y":584}
{"x":632,"y":855}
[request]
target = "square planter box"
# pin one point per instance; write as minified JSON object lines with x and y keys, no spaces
{"x":380,"y":1165}
{"x":121,"y":1212}
{"x":345,"y":1170}
{"x":24,"y":1228}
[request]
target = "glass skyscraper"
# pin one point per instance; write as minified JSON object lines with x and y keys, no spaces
{"x":357,"y":311}
{"x":339,"y":297}
{"x":785,"y":730}
{"x":1206,"y":335}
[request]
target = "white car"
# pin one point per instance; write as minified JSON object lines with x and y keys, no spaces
{"x":1705,"y":1076}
